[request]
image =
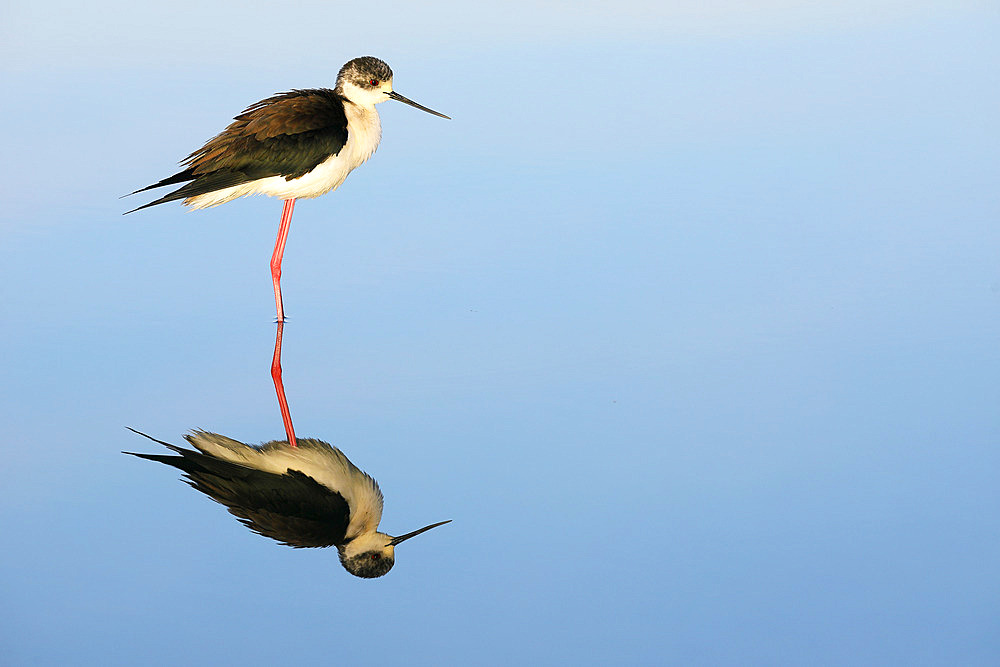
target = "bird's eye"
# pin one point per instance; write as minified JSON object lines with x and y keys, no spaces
{"x":374,"y":556}
{"x":373,"y":82}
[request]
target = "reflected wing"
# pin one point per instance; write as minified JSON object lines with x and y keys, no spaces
{"x":292,"y":508}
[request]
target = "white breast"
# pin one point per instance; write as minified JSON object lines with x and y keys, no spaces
{"x":364,"y":132}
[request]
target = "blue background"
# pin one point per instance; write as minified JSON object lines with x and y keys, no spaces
{"x":689,"y":320}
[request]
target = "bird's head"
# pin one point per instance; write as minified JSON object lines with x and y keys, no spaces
{"x":373,"y":554}
{"x":369,"y":556}
{"x":366,"y":81}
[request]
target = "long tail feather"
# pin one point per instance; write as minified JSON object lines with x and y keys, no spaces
{"x":179,"y":177}
{"x":199,"y":185}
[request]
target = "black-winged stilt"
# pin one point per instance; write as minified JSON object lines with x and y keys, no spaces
{"x":306,"y":496}
{"x":295,"y":145}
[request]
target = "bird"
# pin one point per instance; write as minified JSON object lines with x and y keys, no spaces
{"x":308,"y":496}
{"x":294,"y":145}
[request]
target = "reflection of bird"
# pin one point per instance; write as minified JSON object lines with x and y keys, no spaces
{"x":299,"y":144}
{"x":308,"y":496}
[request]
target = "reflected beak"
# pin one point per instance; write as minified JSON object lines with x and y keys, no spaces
{"x":405,"y":100}
{"x":403,"y":538}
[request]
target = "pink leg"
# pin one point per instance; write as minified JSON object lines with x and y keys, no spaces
{"x":279,"y":387}
{"x":279,"y":250}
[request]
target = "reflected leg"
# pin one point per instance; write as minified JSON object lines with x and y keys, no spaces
{"x":279,"y":387}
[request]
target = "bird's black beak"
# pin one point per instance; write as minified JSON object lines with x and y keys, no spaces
{"x":403,"y":538}
{"x":405,"y":100}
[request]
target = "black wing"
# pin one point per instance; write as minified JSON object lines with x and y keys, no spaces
{"x":286,"y":135}
{"x":292,"y":508}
